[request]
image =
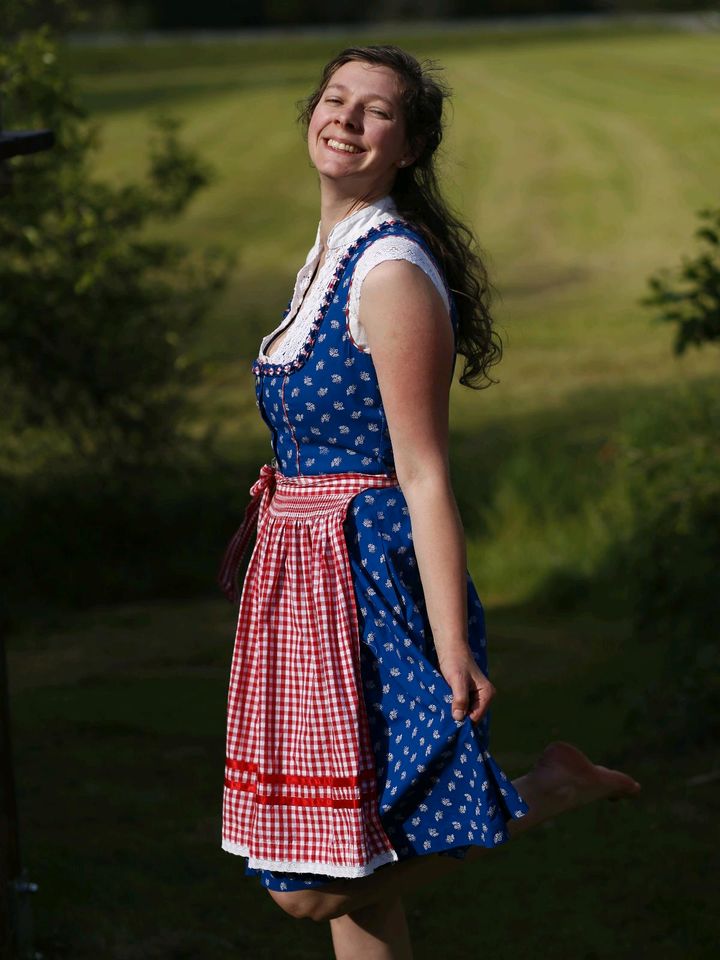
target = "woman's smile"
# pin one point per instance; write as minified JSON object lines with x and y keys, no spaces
{"x":342,"y":146}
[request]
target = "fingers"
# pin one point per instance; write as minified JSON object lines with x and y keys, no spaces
{"x":460,"y":686}
{"x":470,"y":697}
{"x":460,"y":704}
{"x":480,"y":700}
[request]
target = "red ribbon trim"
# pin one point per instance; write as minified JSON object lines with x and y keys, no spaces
{"x":296,"y":780}
{"x":295,"y":801}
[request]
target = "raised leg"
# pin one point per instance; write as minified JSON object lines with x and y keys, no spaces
{"x":563,"y":779}
{"x":378,"y":931}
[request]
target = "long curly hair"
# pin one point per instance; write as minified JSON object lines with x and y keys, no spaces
{"x":419,"y":200}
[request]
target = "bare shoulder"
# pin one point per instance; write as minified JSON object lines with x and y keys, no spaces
{"x":408,"y":331}
{"x":401,"y":292}
{"x":410,"y":338}
{"x":401,"y":278}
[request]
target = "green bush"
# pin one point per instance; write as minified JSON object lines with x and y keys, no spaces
{"x":96,"y":320}
{"x":104,"y":495}
{"x":689,"y":297}
{"x":670,"y":467}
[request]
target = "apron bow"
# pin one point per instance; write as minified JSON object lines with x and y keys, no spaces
{"x":260,"y":494}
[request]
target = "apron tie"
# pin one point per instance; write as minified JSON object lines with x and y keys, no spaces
{"x":260,"y":494}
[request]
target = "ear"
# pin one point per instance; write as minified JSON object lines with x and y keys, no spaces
{"x":411,"y":153}
{"x":408,"y":158}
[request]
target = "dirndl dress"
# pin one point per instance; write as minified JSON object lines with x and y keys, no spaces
{"x":342,"y":755}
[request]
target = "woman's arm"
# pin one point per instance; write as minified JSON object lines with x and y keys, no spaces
{"x":411,"y":342}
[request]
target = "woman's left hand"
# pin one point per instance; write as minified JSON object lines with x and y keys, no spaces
{"x":471,"y":689}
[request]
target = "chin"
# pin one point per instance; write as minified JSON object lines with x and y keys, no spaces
{"x":330,"y":171}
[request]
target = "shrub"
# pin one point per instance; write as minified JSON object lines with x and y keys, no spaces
{"x":670,"y":455}
{"x":689,"y":297}
{"x":95,"y":319}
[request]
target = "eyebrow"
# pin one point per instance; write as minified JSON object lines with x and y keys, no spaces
{"x":372,"y":96}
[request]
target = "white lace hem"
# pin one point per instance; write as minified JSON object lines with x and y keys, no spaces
{"x":304,"y":866}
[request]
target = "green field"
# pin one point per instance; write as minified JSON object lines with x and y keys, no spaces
{"x":581,"y":161}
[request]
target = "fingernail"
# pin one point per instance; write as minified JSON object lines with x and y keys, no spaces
{"x":458,"y":715}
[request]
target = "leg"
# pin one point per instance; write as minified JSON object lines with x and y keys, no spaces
{"x":376,"y":932}
{"x":561,"y":780}
{"x":339,"y":897}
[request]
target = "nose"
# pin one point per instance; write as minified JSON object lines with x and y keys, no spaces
{"x":348,"y":116}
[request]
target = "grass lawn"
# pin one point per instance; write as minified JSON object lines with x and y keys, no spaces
{"x":580,"y":161}
{"x":119,"y":736}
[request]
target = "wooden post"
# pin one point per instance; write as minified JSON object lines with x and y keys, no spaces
{"x":10,"y":869}
{"x":15,"y":888}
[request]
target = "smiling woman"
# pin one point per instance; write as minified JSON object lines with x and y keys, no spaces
{"x":358,"y":760}
{"x":359,"y":114}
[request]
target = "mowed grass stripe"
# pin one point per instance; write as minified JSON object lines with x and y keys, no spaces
{"x":567,"y":168}
{"x":580,"y":166}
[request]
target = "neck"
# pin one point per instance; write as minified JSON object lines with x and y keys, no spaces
{"x":335,"y":205}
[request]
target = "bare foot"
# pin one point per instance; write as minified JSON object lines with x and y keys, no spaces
{"x":569,"y":779}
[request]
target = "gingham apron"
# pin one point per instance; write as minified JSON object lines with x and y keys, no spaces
{"x":300,"y":790}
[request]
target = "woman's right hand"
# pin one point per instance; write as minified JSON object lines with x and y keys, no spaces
{"x":471,"y":689}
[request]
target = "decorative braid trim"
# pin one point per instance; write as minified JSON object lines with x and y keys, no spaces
{"x":277,"y":369}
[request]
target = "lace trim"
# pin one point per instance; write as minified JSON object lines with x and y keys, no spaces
{"x":274,"y":365}
{"x":300,"y":866}
{"x":299,"y":321}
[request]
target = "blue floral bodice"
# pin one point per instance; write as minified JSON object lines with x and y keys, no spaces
{"x":324,"y":408}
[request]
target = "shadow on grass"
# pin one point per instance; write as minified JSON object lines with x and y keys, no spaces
{"x":72,"y":539}
{"x":274,"y":52}
{"x":554,"y":461}
{"x":118,"y":717}
{"x":119,"y":739}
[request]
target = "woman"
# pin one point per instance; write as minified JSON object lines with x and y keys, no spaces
{"x":357,"y":750}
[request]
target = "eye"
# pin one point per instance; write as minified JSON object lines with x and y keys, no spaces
{"x":332,"y":100}
{"x":380,"y":113}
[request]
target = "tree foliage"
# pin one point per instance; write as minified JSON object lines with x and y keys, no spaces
{"x":673,"y":460}
{"x":689,"y":297}
{"x":670,"y":468}
{"x":96,"y":318}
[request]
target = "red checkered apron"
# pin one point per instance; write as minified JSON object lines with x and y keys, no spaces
{"x":300,"y":791}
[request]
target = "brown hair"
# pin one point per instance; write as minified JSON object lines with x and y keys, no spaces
{"x":418,"y":197}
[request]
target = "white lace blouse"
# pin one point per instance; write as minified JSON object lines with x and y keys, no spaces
{"x":304,"y":309}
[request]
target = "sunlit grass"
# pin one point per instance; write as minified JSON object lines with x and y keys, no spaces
{"x":580,"y":166}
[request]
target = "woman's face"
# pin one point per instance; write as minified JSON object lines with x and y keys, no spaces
{"x":357,"y":130}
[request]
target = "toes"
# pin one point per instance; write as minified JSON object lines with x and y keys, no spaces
{"x":621,"y":784}
{"x":599,"y":780}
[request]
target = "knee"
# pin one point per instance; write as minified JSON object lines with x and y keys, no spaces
{"x":307,"y":905}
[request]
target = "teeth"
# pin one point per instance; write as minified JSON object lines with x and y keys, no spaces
{"x":347,"y":147}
